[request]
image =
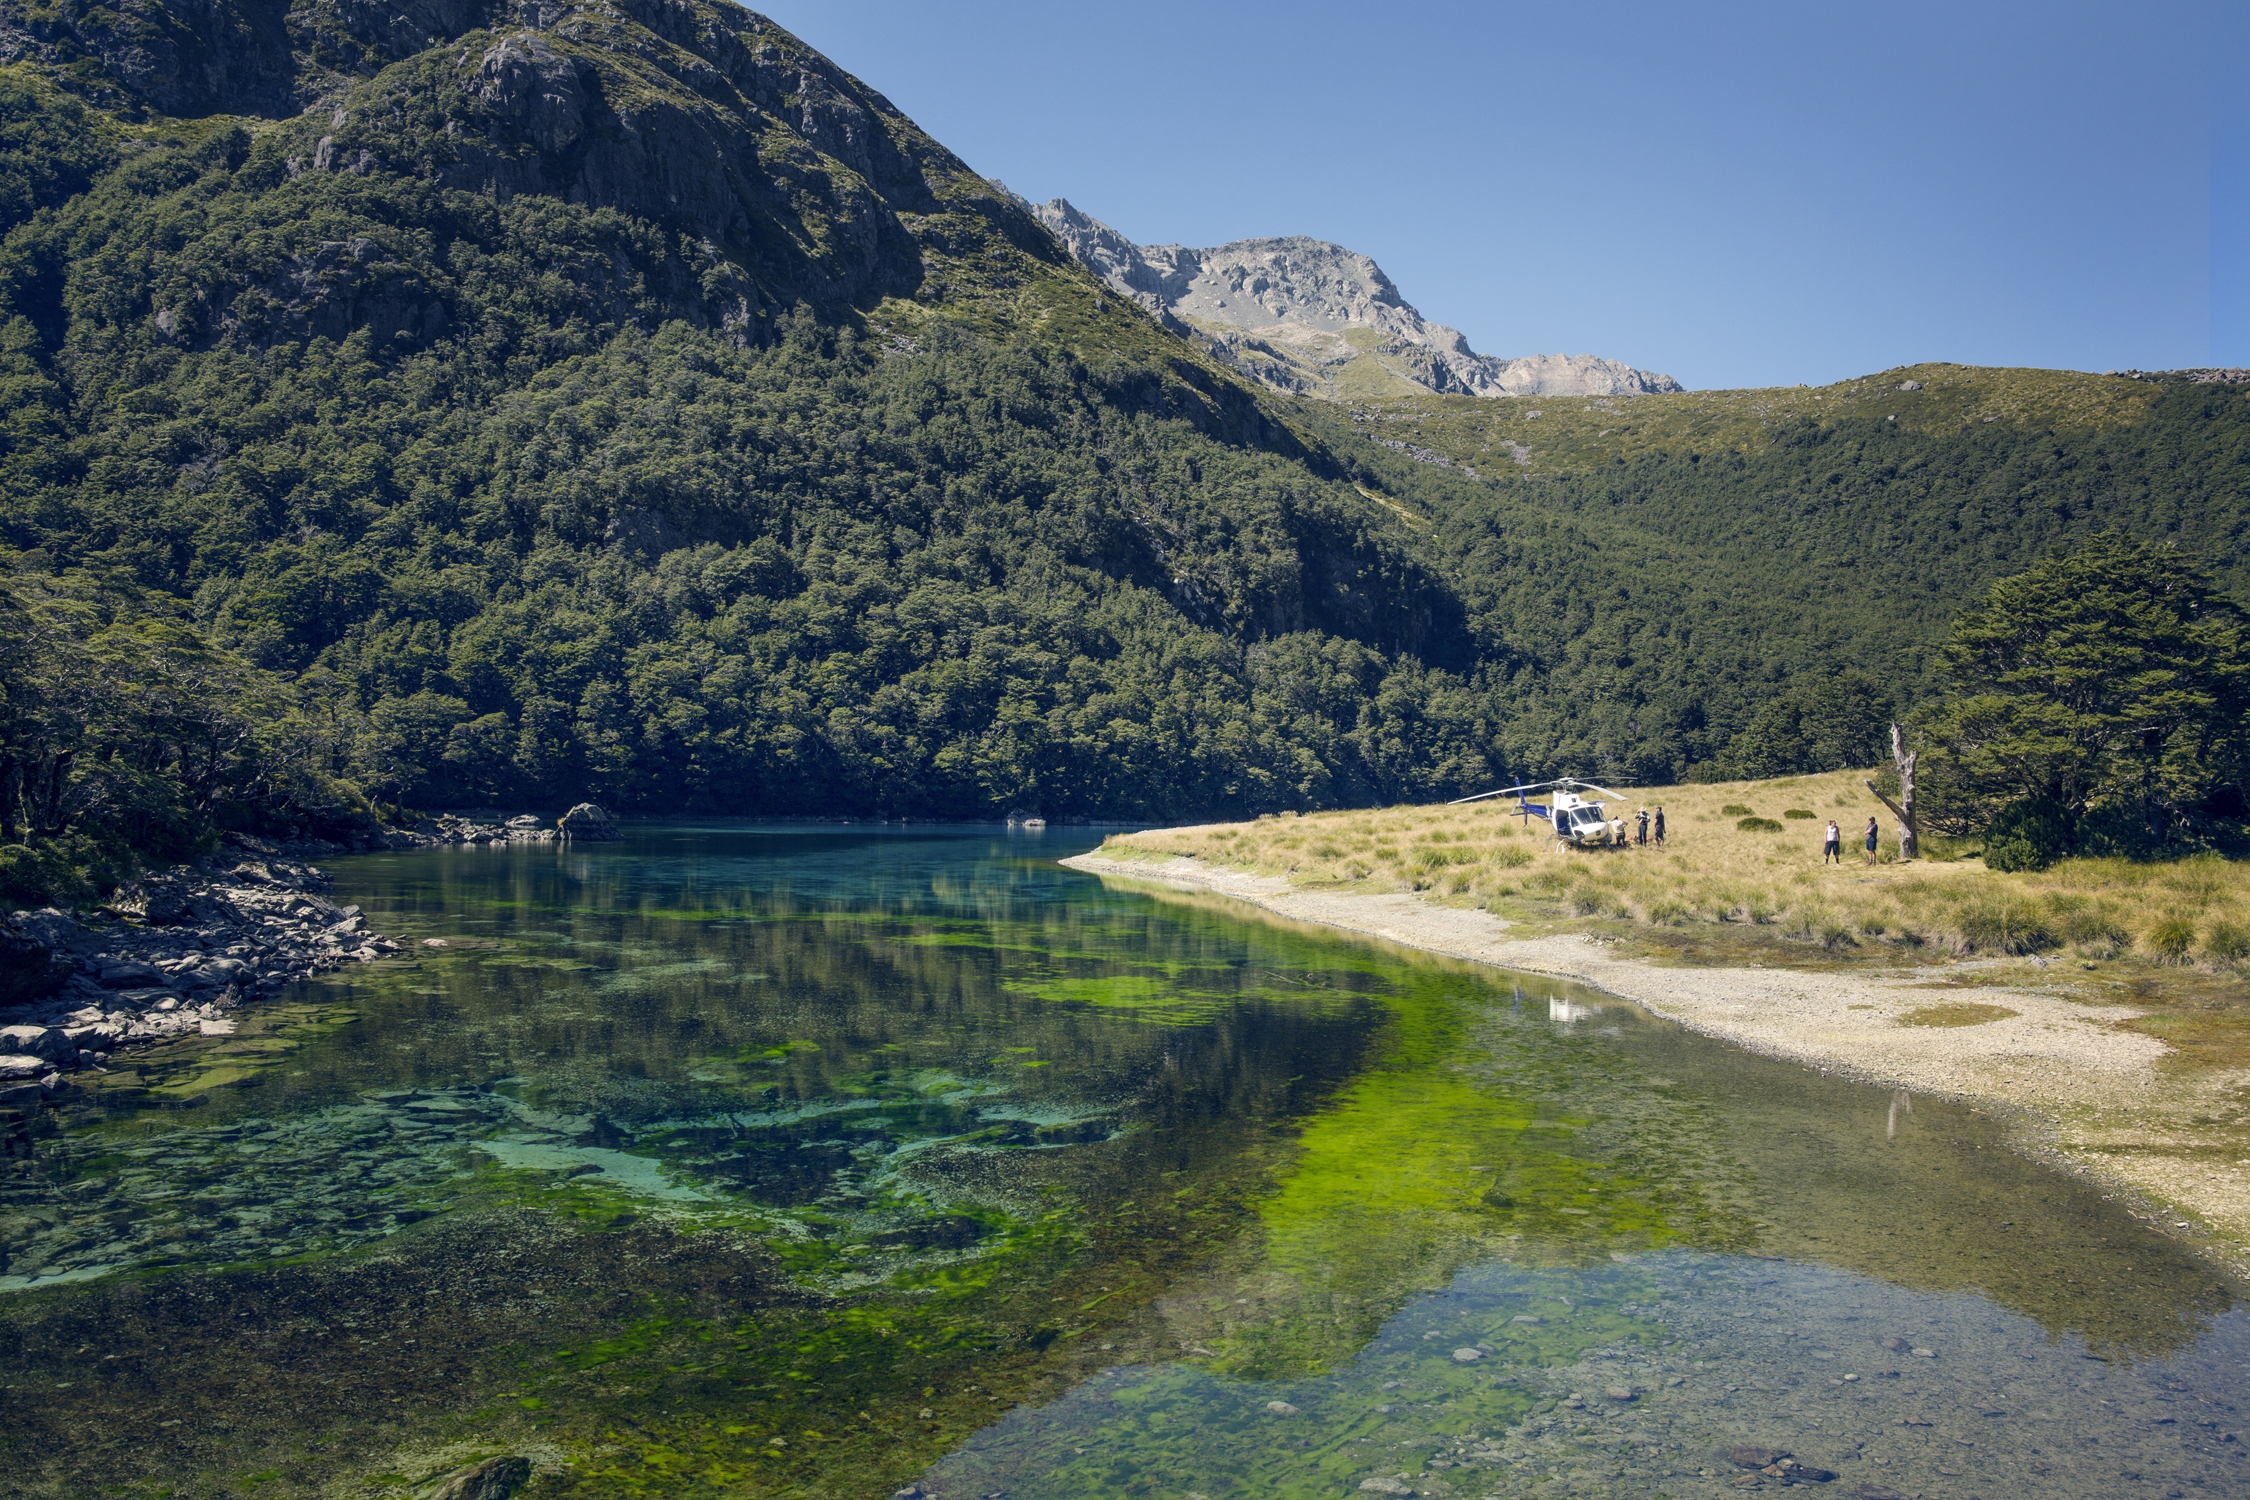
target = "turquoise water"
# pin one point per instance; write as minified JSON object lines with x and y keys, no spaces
{"x":823,"y":1161}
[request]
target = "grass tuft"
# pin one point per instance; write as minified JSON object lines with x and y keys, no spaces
{"x":2168,"y":941}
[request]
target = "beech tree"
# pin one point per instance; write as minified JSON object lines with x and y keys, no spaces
{"x":2112,"y":676}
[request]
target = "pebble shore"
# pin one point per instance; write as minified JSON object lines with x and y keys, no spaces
{"x":181,"y":951}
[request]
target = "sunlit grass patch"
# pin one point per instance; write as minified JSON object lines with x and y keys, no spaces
{"x":1727,"y":869}
{"x":1957,"y":1013}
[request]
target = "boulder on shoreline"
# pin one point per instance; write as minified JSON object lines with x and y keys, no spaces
{"x":170,"y":955}
{"x":588,"y":822}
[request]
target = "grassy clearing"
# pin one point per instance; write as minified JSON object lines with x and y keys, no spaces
{"x":1578,"y":434}
{"x":1742,"y":865}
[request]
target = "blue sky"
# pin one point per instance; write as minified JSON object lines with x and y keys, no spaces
{"x":1734,"y":194}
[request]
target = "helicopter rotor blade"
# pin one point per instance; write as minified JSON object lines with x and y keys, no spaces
{"x":1509,"y":791}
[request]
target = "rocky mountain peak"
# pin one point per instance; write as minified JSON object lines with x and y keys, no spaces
{"x":1312,"y":317}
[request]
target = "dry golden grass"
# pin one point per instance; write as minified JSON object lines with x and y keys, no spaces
{"x":1716,"y":875}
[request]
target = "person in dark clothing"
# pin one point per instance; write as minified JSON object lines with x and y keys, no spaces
{"x":1871,"y":841}
{"x":1640,"y":831}
{"x":1659,"y":825}
{"x":1832,"y":848}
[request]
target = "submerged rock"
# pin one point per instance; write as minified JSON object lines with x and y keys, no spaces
{"x":494,"y":1479}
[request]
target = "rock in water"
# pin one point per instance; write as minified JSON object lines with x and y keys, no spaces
{"x":494,"y":1479}
{"x":588,"y":822}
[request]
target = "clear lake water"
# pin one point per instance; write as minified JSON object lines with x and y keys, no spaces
{"x":826,"y":1161}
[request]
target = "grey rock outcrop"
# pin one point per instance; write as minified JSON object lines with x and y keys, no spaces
{"x":234,"y":930}
{"x":2202,"y":376}
{"x":1287,"y":310}
{"x":588,"y":823}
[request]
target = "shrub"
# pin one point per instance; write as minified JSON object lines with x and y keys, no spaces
{"x":1586,"y":901}
{"x":1757,"y":825}
{"x":2227,"y":942}
{"x":1734,"y":810}
{"x":1508,"y":859}
{"x":2030,"y":833}
{"x":62,"y":871}
{"x":2012,"y":856}
{"x":1835,"y":936}
{"x":1667,"y":914}
{"x":2170,"y":940}
{"x":1799,"y":812}
{"x":1759,"y":912}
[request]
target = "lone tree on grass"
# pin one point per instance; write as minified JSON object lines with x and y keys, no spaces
{"x":2106,"y":680}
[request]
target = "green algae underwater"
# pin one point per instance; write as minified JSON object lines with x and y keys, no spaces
{"x":756,"y":1161}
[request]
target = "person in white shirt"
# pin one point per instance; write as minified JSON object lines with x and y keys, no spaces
{"x":1834,"y":848}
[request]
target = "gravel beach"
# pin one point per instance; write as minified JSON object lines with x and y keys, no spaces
{"x":2080,"y":1091}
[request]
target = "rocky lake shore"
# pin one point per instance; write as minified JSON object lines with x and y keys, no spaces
{"x":180,"y":951}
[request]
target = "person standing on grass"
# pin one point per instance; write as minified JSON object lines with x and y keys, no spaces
{"x":1640,"y":832}
{"x":1871,"y":841}
{"x":1833,"y":849}
{"x":1659,"y":825}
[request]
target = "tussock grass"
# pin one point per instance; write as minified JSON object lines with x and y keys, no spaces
{"x":1729,"y":863}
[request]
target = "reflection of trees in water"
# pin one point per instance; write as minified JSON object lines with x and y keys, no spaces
{"x":1179,"y":1055}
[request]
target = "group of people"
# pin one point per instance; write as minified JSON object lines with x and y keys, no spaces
{"x":1832,"y":848}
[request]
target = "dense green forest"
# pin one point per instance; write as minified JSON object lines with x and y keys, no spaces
{"x":619,"y":400}
{"x":1651,"y":608}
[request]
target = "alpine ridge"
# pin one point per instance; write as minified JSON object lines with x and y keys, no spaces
{"x":1309,"y":317}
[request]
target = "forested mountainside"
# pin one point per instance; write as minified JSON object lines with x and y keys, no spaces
{"x":1661,"y":596}
{"x":467,"y":403}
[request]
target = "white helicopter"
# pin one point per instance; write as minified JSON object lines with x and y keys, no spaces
{"x":1577,"y":817}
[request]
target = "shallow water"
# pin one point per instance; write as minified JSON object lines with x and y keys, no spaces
{"x":745,"y":1161}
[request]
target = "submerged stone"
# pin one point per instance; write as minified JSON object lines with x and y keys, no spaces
{"x":494,"y":1479}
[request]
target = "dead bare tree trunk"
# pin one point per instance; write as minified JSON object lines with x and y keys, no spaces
{"x":1909,"y":846}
